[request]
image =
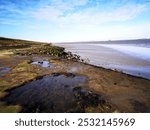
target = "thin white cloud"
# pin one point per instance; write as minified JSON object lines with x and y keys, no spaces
{"x":63,"y":13}
{"x":56,"y":9}
{"x":91,"y":15}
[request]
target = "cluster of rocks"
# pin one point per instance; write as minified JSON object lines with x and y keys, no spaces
{"x":42,"y":49}
{"x":75,"y":57}
{"x":54,"y":51}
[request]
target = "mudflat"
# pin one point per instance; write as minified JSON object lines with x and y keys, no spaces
{"x":133,"y":59}
{"x":64,"y":84}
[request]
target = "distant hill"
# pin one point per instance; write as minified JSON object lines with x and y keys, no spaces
{"x":11,"y":43}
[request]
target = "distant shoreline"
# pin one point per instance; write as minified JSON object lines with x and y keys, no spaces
{"x":125,"y":41}
{"x":109,"y":41}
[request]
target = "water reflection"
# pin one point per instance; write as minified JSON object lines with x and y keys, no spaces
{"x":56,"y":93}
{"x":42,"y":63}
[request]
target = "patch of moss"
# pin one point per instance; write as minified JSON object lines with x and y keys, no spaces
{"x":3,"y":94}
{"x":4,"y":84}
{"x":22,"y":73}
{"x":101,"y":108}
{"x":9,"y":109}
{"x":43,"y":49}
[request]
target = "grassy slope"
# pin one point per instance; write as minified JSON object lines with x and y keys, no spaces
{"x":7,"y":43}
{"x":9,"y":46}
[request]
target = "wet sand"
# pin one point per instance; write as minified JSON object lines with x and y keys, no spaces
{"x":109,"y":58}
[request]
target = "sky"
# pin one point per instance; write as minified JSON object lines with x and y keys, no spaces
{"x":75,"y":20}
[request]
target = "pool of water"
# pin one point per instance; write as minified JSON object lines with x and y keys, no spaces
{"x":42,"y":63}
{"x":56,"y":93}
{"x":4,"y":70}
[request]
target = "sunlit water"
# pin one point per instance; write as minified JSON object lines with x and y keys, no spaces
{"x":132,"y":50}
{"x":132,"y":59}
{"x":41,"y":63}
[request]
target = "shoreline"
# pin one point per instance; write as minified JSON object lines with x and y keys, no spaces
{"x":125,"y":93}
{"x":117,"y":70}
{"x":110,"y":58}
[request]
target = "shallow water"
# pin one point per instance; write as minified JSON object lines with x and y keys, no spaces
{"x":56,"y":93}
{"x":139,"y":71}
{"x":133,"y":59}
{"x":141,"y":52}
{"x":41,"y":63}
{"x":4,"y":70}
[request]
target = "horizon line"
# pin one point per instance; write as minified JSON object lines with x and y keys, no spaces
{"x":111,"y":40}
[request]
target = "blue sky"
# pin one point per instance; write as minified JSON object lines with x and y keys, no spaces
{"x":75,"y":20}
